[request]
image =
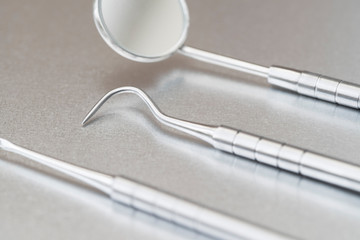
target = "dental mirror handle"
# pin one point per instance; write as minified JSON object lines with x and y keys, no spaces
{"x":285,"y":157}
{"x":316,"y":86}
{"x":302,"y":82}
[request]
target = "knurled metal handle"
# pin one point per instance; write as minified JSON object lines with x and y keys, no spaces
{"x":286,"y":157}
{"x":316,"y":86}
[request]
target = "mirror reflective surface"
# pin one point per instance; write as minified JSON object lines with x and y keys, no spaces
{"x":142,"y":30}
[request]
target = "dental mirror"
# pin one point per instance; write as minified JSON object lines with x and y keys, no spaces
{"x":153,"y":30}
{"x":142,"y":30}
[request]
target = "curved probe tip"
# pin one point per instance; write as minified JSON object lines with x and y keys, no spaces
{"x":201,"y":131}
{"x":114,"y":92}
{"x":101,"y":102}
{"x":87,"y":117}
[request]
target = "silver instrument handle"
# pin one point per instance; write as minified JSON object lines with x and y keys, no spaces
{"x":185,"y":213}
{"x":316,"y":86}
{"x":154,"y":202}
{"x":285,"y":157}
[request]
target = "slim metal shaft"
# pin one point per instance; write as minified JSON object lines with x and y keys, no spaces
{"x":225,"y":61}
{"x":98,"y":180}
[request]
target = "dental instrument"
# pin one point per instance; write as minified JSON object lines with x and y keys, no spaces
{"x":247,"y":145}
{"x":154,"y":202}
{"x":153,"y":30}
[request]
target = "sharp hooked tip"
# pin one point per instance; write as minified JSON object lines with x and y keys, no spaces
{"x":84,"y":121}
{"x":201,"y":131}
{"x":110,"y":94}
{"x":92,"y":112}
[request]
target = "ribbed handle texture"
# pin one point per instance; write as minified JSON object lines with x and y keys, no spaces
{"x":316,"y":86}
{"x":289,"y":158}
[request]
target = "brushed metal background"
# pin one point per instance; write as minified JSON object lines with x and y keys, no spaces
{"x":54,"y":66}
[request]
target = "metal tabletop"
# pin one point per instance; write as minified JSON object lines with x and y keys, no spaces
{"x":54,"y":66}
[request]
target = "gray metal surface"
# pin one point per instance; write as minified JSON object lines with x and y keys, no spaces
{"x":53,"y":66}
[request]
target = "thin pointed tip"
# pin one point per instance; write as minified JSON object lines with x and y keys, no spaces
{"x":98,"y":105}
{"x":84,"y":121}
{"x":87,"y":118}
{"x":91,"y":113}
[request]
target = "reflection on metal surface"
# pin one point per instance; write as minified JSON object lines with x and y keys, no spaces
{"x":152,"y":201}
{"x":137,"y":37}
{"x":237,"y":142}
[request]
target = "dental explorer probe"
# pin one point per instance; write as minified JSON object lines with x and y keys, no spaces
{"x":263,"y":150}
{"x":154,"y":202}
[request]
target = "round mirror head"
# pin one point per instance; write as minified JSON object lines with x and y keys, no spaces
{"x":142,"y":30}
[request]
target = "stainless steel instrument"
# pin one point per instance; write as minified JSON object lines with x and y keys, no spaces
{"x":144,"y":34}
{"x":154,"y":202}
{"x":240,"y":143}
{"x":302,"y":82}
